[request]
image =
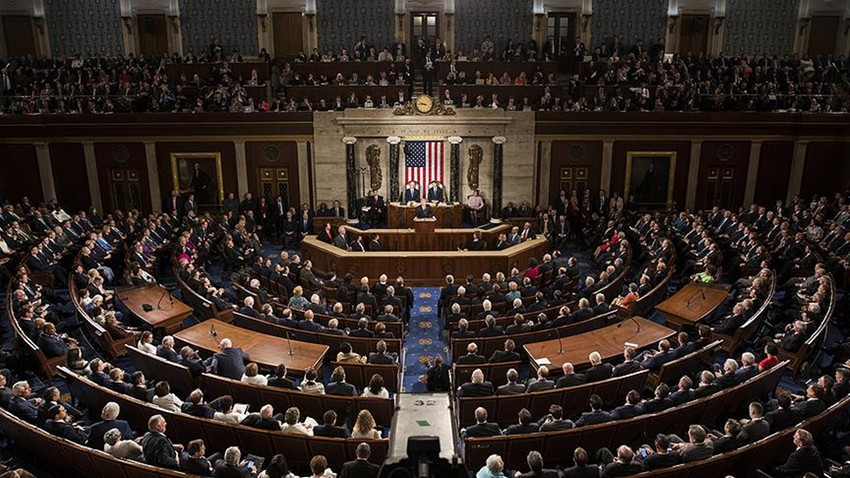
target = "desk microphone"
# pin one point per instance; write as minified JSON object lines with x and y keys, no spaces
{"x":633,"y":319}
{"x":289,"y":341}
{"x":560,"y":343}
{"x":212,"y":330}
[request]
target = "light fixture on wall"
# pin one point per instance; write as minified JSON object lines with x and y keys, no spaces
{"x":718,"y":22}
{"x":310,"y":18}
{"x":39,"y":24}
{"x":671,"y":22}
{"x":128,"y":24}
{"x":804,"y":24}
{"x":585,"y":21}
{"x":263,"y":17}
{"x":846,"y":26}
{"x":175,"y":23}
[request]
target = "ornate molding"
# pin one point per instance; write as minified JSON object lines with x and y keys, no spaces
{"x":438,"y":110}
{"x":349,"y":140}
{"x":393,"y":139}
{"x":499,"y":139}
{"x":454,"y":139}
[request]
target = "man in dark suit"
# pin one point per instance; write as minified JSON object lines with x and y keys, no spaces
{"x":595,"y":415}
{"x":193,"y":461}
{"x":805,"y":458}
{"x":279,"y":380}
{"x":507,"y":355}
{"x":482,"y":427}
{"x":659,"y":358}
{"x":166,"y":350}
{"x":491,"y":329}
{"x":631,"y":408}
{"x":581,"y":469}
{"x":158,"y":448}
{"x":109,"y":420}
{"x":463,"y":331}
{"x":376,"y":204}
{"x":229,"y":361}
{"x":338,"y":385}
{"x":436,"y":193}
{"x":598,"y":370}
{"x":783,"y":417}
{"x":411,"y":194}
{"x":330,"y":428}
{"x":477,"y":387}
{"x":375,"y":244}
{"x":361,"y":467}
{"x":471,"y":356}
{"x":308,"y":324}
{"x":623,"y":464}
{"x":232,"y":465}
{"x":264,"y":420}
{"x":570,"y":378}
{"x":629,"y":365}
{"x":542,"y":382}
{"x":512,"y":387}
{"x":381,"y":356}
{"x":524,"y":424}
{"x":813,"y":403}
{"x":661,"y":457}
{"x":554,"y":420}
{"x":756,"y":427}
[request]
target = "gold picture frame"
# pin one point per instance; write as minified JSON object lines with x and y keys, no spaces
{"x":646,"y":175}
{"x":182,"y":167}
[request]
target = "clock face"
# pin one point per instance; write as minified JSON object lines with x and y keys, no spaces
{"x":424,"y":103}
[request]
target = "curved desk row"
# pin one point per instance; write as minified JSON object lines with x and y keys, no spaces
{"x":421,"y":267}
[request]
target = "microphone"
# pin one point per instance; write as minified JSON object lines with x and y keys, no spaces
{"x":162,"y":296}
{"x":289,"y":342}
{"x":560,"y":343}
{"x":212,"y":330}
{"x":633,"y":319}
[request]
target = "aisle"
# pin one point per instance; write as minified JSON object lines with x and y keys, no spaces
{"x":424,"y":340}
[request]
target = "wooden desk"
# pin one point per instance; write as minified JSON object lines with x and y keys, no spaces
{"x":608,"y":341}
{"x":420,"y":267}
{"x":266,"y":350}
{"x":437,"y":240}
{"x":692,"y":303}
{"x":401,"y":215}
{"x":362,"y":68}
{"x":512,"y":68}
{"x":169,"y":315}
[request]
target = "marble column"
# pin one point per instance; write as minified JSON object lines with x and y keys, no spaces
{"x":241,"y":168}
{"x":498,"y":159}
{"x":752,"y":172}
{"x":545,"y":168}
{"x":153,"y":175}
{"x":798,"y":164}
{"x":45,"y":171}
{"x":394,"y":142}
{"x":693,"y":174}
{"x":607,"y":161}
{"x":91,"y":175}
{"x":350,"y":176}
{"x":454,"y":168}
{"x":305,"y":169}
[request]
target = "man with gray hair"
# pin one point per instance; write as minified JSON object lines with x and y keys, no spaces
{"x":512,"y":387}
{"x":482,"y":427}
{"x":158,"y":448}
{"x":117,"y":446}
{"x":748,"y":369}
{"x":233,"y":465}
{"x":229,"y":361}
{"x":477,"y":387}
{"x":491,"y":329}
{"x":535,"y":465}
{"x":360,"y":467}
{"x":108,"y":421}
{"x":493,"y":468}
{"x":542,"y":382}
{"x":570,"y":377}
{"x":166,"y":350}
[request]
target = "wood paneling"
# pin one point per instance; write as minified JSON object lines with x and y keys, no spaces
{"x":17,"y":29}
{"x":228,"y":163}
{"x":774,"y":171}
{"x":693,"y":34}
{"x":683,"y":159}
{"x":723,"y":154}
{"x":823,"y":35}
{"x":274,"y":154}
{"x":69,"y":175}
{"x":288,"y":39}
{"x":826,"y":170}
{"x":122,"y":156}
{"x":20,"y":175}
{"x":574,"y":154}
{"x":153,"y":36}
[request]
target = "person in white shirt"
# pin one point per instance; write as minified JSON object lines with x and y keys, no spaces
{"x":253,"y":376}
{"x":227,"y":414}
{"x":146,"y":343}
{"x":115,"y":446}
{"x":291,"y":424}
{"x":163,"y":397}
{"x":376,"y":388}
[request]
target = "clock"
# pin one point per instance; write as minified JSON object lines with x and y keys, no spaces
{"x":423,"y":104}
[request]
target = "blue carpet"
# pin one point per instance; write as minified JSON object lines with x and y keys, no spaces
{"x":424,"y":340}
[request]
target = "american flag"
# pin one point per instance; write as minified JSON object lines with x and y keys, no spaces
{"x":423,"y":162}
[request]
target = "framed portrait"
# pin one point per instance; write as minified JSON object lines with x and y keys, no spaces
{"x":649,"y":177}
{"x":198,"y":173}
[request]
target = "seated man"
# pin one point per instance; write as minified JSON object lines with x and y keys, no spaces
{"x":477,"y":387}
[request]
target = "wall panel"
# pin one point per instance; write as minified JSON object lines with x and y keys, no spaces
{"x":274,"y":154}
{"x":683,"y":159}
{"x":572,"y":156}
{"x":84,"y":26}
{"x":234,"y":22}
{"x":503,"y":20}
{"x":760,"y":26}
{"x":718,"y":155}
{"x":69,"y":175}
{"x":630,"y":19}
{"x":163,"y":161}
{"x":117,"y":158}
{"x":826,"y":169}
{"x":774,"y":171}
{"x":20,"y":175}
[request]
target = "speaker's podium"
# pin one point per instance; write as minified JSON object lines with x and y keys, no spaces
{"x":425,"y":225}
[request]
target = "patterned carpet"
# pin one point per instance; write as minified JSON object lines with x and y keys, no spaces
{"x":424,"y":340}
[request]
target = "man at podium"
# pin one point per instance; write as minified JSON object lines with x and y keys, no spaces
{"x":423,"y":210}
{"x":436,"y":193}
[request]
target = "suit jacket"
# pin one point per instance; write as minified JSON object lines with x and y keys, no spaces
{"x":470,"y":389}
{"x":504,"y":356}
{"x":378,"y":358}
{"x":599,"y":372}
{"x":510,"y":389}
{"x":254,"y":420}
{"x":229,"y":363}
{"x":97,"y":430}
{"x":540,"y":385}
{"x":159,"y":450}
{"x":754,"y":430}
{"x":425,"y":212}
{"x":167,"y":354}
{"x":586,"y":471}
{"x":195,"y":466}
{"x":341,"y":388}
{"x":359,"y":469}
{"x":332,"y":431}
{"x":696,"y":451}
{"x":483,"y":430}
{"x":655,"y":362}
{"x":570,"y":380}
{"x":622,"y":469}
{"x":800,"y":461}
{"x":471,"y":359}
{"x":809,"y":408}
{"x":281,"y":382}
{"x":593,"y":417}
{"x":223,"y":470}
{"x":626,"y":368}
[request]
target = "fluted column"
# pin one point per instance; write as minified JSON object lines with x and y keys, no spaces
{"x":798,"y":165}
{"x":91,"y":175}
{"x":454,"y":168}
{"x":45,"y":171}
{"x":752,"y":172}
{"x":394,"y":142}
{"x":498,"y":157}
{"x":241,"y":169}
{"x":693,"y":174}
{"x":350,"y":176}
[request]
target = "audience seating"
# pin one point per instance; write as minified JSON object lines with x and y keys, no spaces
{"x":493,"y":372}
{"x":672,"y":371}
{"x":612,"y":434}
{"x":47,"y":366}
{"x":218,"y":435}
{"x":743,"y":333}
{"x":799,"y":360}
{"x":360,"y":374}
{"x":113,"y":347}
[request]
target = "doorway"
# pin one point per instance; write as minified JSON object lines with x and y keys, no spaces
{"x":17,"y":30}
{"x":693,"y":34}
{"x":823,"y":35}
{"x":424,"y":28}
{"x":153,"y":36}
{"x":288,"y":39}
